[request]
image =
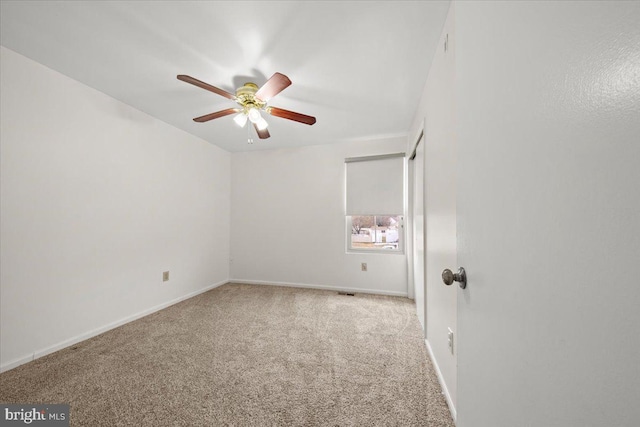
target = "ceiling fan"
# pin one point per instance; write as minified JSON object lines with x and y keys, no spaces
{"x":252,"y":100}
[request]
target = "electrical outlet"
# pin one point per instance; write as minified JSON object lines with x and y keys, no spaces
{"x":363,"y":266}
{"x":165,"y":276}
{"x":450,"y":339}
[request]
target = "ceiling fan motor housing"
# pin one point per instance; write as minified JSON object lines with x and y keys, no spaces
{"x":246,"y":97}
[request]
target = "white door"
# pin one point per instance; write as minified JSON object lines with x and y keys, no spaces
{"x":440,"y":209}
{"x":418,"y":232}
{"x":548,"y":134}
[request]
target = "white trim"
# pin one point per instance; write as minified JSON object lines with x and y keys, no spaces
{"x":90,"y":334}
{"x":414,"y":146}
{"x":320,"y":287}
{"x":370,"y":158}
{"x":445,"y":390}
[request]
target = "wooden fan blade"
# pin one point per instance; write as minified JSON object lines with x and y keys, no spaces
{"x":206,"y":86}
{"x":262,"y":134}
{"x":216,"y":115}
{"x":291,"y":115}
{"x":276,"y":84}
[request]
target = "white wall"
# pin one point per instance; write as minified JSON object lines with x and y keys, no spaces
{"x":436,"y":108}
{"x":98,"y":199}
{"x":288,"y":220}
{"x":548,"y":134}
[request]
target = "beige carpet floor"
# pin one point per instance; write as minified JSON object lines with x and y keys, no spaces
{"x":245,"y":355}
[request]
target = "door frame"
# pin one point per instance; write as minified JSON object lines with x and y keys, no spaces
{"x":410,"y":226}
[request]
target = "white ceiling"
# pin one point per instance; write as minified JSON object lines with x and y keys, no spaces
{"x":359,"y":67}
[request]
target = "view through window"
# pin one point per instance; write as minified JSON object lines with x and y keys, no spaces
{"x":375,"y":232}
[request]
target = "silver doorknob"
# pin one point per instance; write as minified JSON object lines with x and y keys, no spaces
{"x":448,"y":277}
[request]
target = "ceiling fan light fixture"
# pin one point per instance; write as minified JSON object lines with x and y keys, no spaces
{"x":254,"y":115}
{"x":240,"y":119}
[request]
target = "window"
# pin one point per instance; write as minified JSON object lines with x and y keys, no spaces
{"x":375,"y":184}
{"x":375,"y":232}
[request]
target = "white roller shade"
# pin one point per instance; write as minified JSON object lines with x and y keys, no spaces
{"x":375,"y":185}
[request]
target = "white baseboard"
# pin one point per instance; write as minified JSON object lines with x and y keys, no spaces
{"x":320,"y":287}
{"x":443,"y":385}
{"x":90,"y":334}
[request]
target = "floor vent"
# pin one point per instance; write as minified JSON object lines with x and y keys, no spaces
{"x":349,"y":294}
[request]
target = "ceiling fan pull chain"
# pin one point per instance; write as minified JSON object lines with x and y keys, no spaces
{"x":249,"y":139}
